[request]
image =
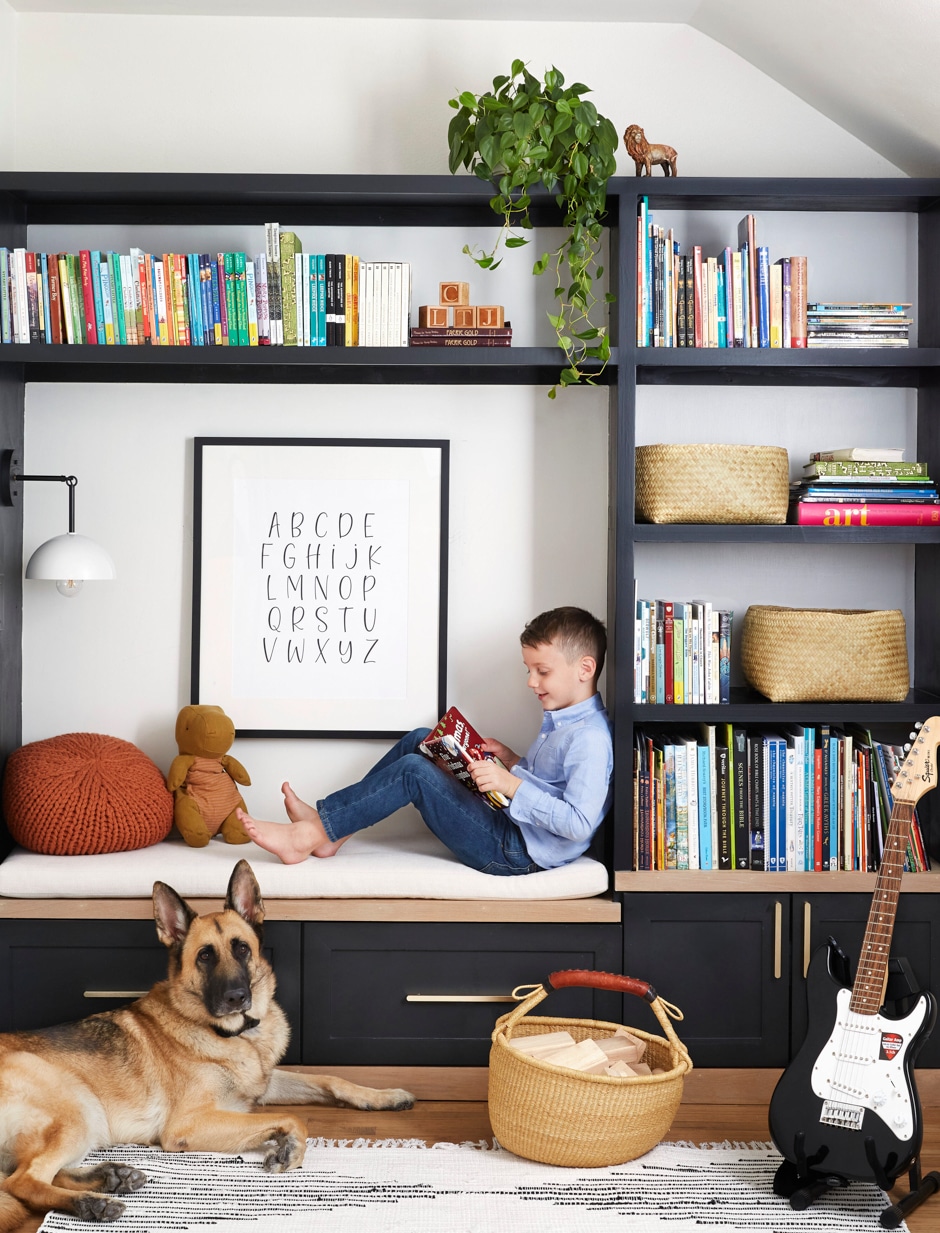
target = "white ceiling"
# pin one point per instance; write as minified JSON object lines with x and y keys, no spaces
{"x":869,"y":65}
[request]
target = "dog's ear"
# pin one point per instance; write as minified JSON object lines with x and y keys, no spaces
{"x":172,"y":914}
{"x":244,"y":896}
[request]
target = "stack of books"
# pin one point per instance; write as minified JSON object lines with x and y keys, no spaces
{"x":461,"y":336}
{"x":798,"y":799}
{"x":738,"y":298}
{"x":858,"y":325}
{"x":864,"y":487}
{"x":281,"y":297}
{"x":682,"y":653}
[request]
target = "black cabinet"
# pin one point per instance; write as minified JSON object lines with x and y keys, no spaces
{"x":722,"y":960}
{"x":55,"y":971}
{"x":430,"y":994}
{"x":735,"y":963}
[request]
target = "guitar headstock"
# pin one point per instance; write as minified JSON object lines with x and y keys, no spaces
{"x":918,"y":773}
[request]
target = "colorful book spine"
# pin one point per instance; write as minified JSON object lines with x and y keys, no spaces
{"x":738,"y":299}
{"x":107,"y":301}
{"x":289,"y":244}
{"x":88,"y":296}
{"x":217,"y":290}
{"x":251,"y":293}
{"x":763,"y":296}
{"x":239,"y":282}
{"x":193,"y":296}
{"x":798,"y":298}
{"x":75,"y":297}
{"x":224,"y":264}
{"x":261,"y":298}
{"x":95,"y":263}
{"x":877,"y":514}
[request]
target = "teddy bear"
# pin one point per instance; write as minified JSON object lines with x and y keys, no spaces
{"x":203,"y":776}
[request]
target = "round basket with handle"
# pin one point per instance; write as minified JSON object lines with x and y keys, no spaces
{"x":560,"y":1116}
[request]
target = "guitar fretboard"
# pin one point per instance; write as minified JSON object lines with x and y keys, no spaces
{"x":869,"y":986}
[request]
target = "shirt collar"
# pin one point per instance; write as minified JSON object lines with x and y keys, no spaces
{"x":572,"y":714}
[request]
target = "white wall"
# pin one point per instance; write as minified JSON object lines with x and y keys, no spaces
{"x":7,"y":86}
{"x":529,"y":505}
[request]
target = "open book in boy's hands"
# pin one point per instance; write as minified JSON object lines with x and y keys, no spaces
{"x":453,"y":744}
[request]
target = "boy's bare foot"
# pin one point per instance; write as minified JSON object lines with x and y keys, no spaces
{"x":292,"y":843}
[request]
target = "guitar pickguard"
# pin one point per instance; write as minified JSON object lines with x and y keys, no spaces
{"x":862,"y":1067}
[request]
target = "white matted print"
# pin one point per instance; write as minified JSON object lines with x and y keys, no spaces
{"x":319,"y":584}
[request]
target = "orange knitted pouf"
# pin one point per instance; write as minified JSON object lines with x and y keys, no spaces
{"x":82,"y":793}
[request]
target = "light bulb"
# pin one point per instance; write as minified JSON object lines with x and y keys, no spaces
{"x":69,"y":586}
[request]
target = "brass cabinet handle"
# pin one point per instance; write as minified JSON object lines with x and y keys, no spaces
{"x":460,"y":997}
{"x":807,"y":919}
{"x":114,"y":993}
{"x":778,"y":940}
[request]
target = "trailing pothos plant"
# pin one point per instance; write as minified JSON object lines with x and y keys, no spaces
{"x":525,"y":133}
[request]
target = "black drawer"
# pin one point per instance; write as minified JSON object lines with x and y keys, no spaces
{"x":56,"y":971}
{"x":358,"y":978}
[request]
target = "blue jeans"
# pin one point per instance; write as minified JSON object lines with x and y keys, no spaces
{"x":483,"y":838}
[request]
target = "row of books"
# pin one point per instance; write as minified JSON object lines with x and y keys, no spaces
{"x":881,"y":490}
{"x":682,"y":652}
{"x":808,"y":799}
{"x":282,"y":297}
{"x":738,"y":298}
{"x":858,"y":325}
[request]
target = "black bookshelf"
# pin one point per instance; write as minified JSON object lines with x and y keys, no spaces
{"x":99,"y":200}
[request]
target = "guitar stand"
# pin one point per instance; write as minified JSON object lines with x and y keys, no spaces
{"x":804,"y":1181}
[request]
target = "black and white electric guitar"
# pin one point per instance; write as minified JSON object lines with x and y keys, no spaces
{"x":847,"y":1104}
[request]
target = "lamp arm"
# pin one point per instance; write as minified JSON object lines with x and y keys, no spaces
{"x":60,"y":479}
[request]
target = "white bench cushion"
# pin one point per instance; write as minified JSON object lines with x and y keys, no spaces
{"x":398,"y":859}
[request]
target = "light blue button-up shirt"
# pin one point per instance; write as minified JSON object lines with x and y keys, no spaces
{"x":566,"y":783}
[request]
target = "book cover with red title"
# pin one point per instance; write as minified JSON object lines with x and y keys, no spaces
{"x":453,"y":744}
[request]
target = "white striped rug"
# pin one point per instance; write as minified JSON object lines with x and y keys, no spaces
{"x":399,"y":1186}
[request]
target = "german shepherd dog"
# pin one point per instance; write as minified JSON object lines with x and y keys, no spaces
{"x":185,"y":1068}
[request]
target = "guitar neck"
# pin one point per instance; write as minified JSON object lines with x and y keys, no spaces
{"x":872,"y":975}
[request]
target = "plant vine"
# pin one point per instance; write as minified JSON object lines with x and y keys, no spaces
{"x":525,"y":133}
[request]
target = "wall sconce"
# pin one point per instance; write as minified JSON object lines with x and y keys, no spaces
{"x":68,"y":560}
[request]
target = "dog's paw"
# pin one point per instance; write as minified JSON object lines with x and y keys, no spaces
{"x":119,"y":1178}
{"x":286,"y":1153}
{"x":94,"y":1207}
{"x":397,"y":1098}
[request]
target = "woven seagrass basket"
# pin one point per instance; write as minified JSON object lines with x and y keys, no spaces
{"x":825,"y":655}
{"x":560,"y":1116}
{"x":712,"y":483}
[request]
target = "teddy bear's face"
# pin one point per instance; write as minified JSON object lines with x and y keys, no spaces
{"x":204,"y":731}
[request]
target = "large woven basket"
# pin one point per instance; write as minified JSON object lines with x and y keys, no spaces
{"x":825,"y":655}
{"x":712,"y":483}
{"x":559,"y":1116}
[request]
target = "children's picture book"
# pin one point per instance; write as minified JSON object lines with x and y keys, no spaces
{"x":453,"y":744}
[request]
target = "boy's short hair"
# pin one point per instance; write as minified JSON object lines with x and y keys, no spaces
{"x":574,"y":631}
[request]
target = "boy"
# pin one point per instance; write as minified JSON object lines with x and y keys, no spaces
{"x":559,"y":792}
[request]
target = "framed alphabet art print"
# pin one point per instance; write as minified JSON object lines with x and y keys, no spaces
{"x":320,"y":584}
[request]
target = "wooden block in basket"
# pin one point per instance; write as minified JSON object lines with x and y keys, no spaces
{"x":825,"y":655}
{"x":712,"y":483}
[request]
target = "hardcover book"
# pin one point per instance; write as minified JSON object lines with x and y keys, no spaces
{"x":453,"y":744}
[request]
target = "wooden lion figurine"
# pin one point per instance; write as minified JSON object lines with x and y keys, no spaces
{"x":645,"y":155}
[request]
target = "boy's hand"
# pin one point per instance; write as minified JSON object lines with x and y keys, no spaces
{"x":490,"y":777}
{"x":503,"y":752}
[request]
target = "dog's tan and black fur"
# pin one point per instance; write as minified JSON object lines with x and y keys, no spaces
{"x":186,"y":1067}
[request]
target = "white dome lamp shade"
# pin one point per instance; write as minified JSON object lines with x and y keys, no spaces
{"x":68,"y":560}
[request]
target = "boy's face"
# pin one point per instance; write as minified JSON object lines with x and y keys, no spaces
{"x":556,"y":681}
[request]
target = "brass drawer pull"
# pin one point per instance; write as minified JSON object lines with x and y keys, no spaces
{"x":114,"y":993}
{"x":459,"y":997}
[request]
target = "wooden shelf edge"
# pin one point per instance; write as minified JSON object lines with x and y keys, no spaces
{"x":721,"y":881}
{"x":600,"y":909}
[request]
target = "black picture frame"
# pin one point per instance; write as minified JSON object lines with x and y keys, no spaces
{"x":319,"y":603}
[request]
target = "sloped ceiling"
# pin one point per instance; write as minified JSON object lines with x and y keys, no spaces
{"x":869,"y":65}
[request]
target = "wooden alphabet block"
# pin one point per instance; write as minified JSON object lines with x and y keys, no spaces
{"x":433,"y":315}
{"x":465,"y":316}
{"x":489,"y":315}
{"x":455,"y":293}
